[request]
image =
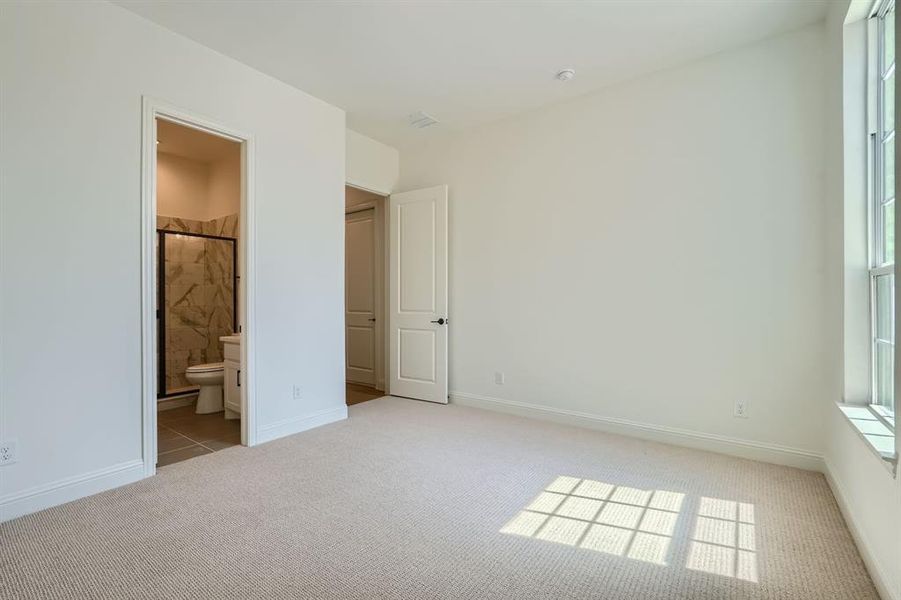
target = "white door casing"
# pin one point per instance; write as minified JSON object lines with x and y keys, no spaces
{"x":153,"y":109}
{"x":418,"y":325}
{"x":359,"y":297}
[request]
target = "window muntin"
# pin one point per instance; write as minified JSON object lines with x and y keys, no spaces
{"x":882,"y":232}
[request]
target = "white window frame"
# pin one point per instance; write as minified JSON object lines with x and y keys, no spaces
{"x":877,"y":195}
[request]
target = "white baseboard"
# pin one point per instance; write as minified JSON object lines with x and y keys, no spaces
{"x":68,"y":489}
{"x":878,"y":572}
{"x":293,"y":425}
{"x":72,"y":488}
{"x":765,"y":452}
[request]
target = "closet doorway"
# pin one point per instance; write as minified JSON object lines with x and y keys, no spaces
{"x":364,"y":295}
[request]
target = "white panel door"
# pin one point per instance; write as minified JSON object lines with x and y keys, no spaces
{"x":418,"y":294}
{"x":359,"y":296}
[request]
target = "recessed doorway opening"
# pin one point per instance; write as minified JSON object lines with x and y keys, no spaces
{"x":365,"y":317}
{"x":198,"y":193}
{"x":396,"y":284}
{"x":196,"y":287}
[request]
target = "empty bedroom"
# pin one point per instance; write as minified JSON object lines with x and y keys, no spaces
{"x":523,"y":299}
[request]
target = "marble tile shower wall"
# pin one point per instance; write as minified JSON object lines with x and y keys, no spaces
{"x":199,"y":294}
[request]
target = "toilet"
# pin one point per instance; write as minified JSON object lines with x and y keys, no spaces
{"x":209,"y":377}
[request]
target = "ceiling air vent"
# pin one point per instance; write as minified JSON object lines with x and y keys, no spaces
{"x":421,"y":120}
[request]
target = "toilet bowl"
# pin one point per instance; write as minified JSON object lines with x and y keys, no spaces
{"x":209,"y":377}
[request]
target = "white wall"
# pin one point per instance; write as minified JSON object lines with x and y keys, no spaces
{"x":371,"y":165}
{"x":198,"y":190}
{"x":870,"y":499}
{"x":73,"y":75}
{"x":183,"y":187}
{"x":650,"y":253}
{"x":867,"y":492}
{"x":225,"y":187}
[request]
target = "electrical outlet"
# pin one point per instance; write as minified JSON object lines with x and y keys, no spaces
{"x":741,"y":409}
{"x":297,"y":392}
{"x":499,"y":378}
{"x":7,"y":452}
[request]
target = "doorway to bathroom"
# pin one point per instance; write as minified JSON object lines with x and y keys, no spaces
{"x":196,"y":294}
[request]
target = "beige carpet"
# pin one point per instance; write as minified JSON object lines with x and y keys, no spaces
{"x":412,"y":500}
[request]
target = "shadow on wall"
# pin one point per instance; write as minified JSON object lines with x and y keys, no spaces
{"x":712,"y":535}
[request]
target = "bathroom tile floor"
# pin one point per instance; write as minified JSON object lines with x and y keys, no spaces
{"x":183,"y":434}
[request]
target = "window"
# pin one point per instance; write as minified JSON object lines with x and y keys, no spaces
{"x":881,"y":122}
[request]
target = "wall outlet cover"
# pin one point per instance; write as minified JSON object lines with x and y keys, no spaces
{"x":741,"y":409}
{"x":499,"y":378}
{"x":297,"y":392}
{"x":7,"y":452}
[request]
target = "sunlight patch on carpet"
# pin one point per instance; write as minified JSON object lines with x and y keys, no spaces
{"x":640,"y":524}
{"x":602,"y":517}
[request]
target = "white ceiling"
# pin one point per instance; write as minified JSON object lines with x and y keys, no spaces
{"x":466,"y":62}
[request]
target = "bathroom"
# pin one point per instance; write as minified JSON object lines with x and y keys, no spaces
{"x":198,"y":192}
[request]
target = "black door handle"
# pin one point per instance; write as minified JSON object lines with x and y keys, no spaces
{"x":440,"y":321}
{"x":239,"y":377}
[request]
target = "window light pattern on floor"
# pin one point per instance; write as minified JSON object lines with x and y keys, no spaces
{"x":598,"y":516}
{"x":640,"y":525}
{"x":724,"y":539}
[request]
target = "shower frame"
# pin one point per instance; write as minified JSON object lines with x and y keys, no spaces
{"x":162,"y":391}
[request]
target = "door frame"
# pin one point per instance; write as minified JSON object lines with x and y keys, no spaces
{"x":153,"y":109}
{"x":381,"y":288}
